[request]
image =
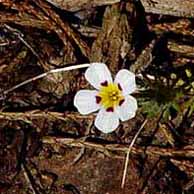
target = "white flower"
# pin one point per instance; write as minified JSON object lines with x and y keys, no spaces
{"x":112,"y":99}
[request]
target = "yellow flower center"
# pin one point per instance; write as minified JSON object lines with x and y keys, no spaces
{"x":110,"y":96}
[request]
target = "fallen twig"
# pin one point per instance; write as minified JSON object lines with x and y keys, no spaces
{"x":29,"y":179}
{"x":186,"y":152}
{"x":178,"y":8}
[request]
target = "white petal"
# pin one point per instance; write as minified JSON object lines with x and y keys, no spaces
{"x":85,"y":101}
{"x":98,"y":73}
{"x":106,"y":121}
{"x":128,"y":109}
{"x":126,"y":79}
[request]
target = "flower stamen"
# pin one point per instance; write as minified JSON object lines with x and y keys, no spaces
{"x":110,"y":96}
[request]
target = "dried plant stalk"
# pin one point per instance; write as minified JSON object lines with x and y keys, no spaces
{"x":186,"y":50}
{"x":42,"y":114}
{"x":182,"y":26}
{"x":64,"y":26}
{"x":186,"y":152}
{"x":76,"y":5}
{"x":4,"y":93}
{"x":178,"y":8}
{"x":129,"y":151}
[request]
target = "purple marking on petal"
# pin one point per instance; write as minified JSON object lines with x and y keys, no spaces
{"x":98,"y":99}
{"x":121,"y":102}
{"x":119,"y":86}
{"x":105,"y":83}
{"x":110,"y":109}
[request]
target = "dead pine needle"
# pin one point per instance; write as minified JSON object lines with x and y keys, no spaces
{"x":20,"y":37}
{"x":129,"y":151}
{"x":5,"y":92}
{"x":83,"y":149}
{"x":28,"y":178}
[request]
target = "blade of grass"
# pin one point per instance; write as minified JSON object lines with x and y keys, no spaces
{"x":5,"y":92}
{"x":129,"y":151}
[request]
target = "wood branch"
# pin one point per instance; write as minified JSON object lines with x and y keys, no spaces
{"x":76,"y":5}
{"x":181,"y":26}
{"x":178,"y":8}
{"x":24,"y":20}
{"x":182,"y":61}
{"x":144,"y":59}
{"x":35,"y":114}
{"x":64,"y":26}
{"x":185,"y":152}
{"x":63,"y":29}
{"x":184,"y":50}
